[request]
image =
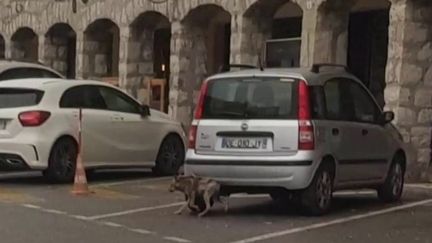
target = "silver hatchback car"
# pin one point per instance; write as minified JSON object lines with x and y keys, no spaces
{"x":295,"y":134}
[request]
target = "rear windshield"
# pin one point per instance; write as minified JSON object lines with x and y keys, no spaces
{"x":12,"y":98}
{"x":251,"y":98}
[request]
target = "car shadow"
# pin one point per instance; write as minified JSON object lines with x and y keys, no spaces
{"x":342,"y":206}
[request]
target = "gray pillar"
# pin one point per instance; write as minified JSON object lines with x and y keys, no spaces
{"x":80,"y":56}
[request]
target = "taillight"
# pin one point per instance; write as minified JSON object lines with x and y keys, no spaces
{"x":33,"y":118}
{"x":200,"y":106}
{"x":192,"y":137}
{"x":306,"y":130}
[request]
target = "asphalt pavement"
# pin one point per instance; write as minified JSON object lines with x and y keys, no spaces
{"x":131,"y":207}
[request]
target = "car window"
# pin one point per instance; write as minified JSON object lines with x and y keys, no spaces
{"x":21,"y":73}
{"x":333,"y":100}
{"x":117,"y":101}
{"x":364,"y":107}
{"x":47,"y":74}
{"x":12,"y":98}
{"x":85,"y":96}
{"x":337,"y":101}
{"x":251,"y":98}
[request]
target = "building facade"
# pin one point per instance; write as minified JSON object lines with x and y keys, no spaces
{"x":387,"y":43}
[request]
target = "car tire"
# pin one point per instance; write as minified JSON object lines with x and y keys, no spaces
{"x":62,"y":161}
{"x":317,"y":198}
{"x":391,"y":190}
{"x":170,"y":157}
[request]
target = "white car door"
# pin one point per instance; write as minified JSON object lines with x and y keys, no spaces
{"x":137,"y":137}
{"x":96,"y":124}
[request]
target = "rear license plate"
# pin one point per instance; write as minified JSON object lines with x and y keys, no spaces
{"x":244,"y":143}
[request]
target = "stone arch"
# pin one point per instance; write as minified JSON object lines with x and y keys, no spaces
{"x":2,"y":47}
{"x":148,"y":53}
{"x":208,"y":28}
{"x":98,"y":11}
{"x":274,"y":26}
{"x":101,"y":49}
{"x":25,"y":20}
{"x":368,"y":32}
{"x":200,"y":46}
{"x":185,"y":7}
{"x":25,"y":45}
{"x":60,"y":49}
{"x":135,"y":8}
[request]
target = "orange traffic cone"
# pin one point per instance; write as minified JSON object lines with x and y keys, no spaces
{"x":80,"y":187}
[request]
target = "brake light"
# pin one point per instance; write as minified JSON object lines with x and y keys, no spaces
{"x":306,"y":139}
{"x":192,"y":137}
{"x":200,"y":106}
{"x":33,"y":118}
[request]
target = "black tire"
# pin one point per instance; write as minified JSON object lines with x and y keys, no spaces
{"x":317,"y":198}
{"x":170,"y":157}
{"x":392,"y":189}
{"x":62,"y":161}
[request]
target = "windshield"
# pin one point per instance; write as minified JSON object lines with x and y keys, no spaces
{"x":12,"y":98}
{"x":251,"y":98}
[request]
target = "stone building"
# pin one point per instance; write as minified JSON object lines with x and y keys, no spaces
{"x":387,"y":43}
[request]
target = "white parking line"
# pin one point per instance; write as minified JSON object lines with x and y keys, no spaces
{"x":333,"y":222}
{"x":119,"y":183}
{"x":112,"y":224}
{"x":132,"y":211}
{"x":176,"y":239}
{"x":31,"y":206}
{"x":420,"y":186}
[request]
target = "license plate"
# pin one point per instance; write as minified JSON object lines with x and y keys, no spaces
{"x":244,"y":143}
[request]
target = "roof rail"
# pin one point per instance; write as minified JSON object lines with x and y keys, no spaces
{"x":227,"y":68}
{"x":317,"y":67}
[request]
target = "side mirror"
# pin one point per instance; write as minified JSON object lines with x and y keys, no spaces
{"x":387,"y":117}
{"x":145,"y":110}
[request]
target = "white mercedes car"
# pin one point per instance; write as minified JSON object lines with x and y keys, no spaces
{"x":39,"y":129}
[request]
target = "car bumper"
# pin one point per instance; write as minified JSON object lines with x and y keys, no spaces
{"x":289,"y":172}
{"x":14,"y":156}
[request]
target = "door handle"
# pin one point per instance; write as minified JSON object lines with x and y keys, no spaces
{"x":335,"y":131}
{"x":365,"y":132}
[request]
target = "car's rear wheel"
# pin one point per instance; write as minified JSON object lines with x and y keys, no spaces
{"x":317,"y":198}
{"x":391,"y":190}
{"x":62,"y":161}
{"x":170,"y":157}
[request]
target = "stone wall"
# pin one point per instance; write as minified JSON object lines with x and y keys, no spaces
{"x":332,"y":31}
{"x":56,"y":53}
{"x":98,"y":54}
{"x":409,"y":79}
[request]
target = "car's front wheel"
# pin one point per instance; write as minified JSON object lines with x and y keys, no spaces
{"x":391,"y":190}
{"x":62,"y":161}
{"x":170,"y":157}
